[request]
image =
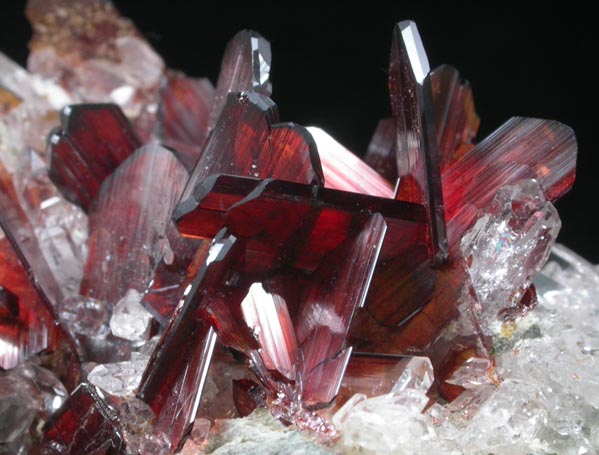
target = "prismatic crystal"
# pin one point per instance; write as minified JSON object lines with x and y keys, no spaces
{"x":174,"y":255}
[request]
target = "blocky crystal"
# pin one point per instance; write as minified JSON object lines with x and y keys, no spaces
{"x":518,"y":223}
{"x":130,"y":320}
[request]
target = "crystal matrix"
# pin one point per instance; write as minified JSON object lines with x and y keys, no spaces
{"x":177,"y":255}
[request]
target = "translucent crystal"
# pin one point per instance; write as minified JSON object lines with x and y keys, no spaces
{"x":509,"y":243}
{"x":391,"y":423}
{"x":417,"y":374}
{"x":84,"y":315}
{"x":129,"y":319}
{"x":19,"y":403}
{"x":121,"y":378}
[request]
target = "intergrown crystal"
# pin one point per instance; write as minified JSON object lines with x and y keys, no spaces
{"x":328,"y":283}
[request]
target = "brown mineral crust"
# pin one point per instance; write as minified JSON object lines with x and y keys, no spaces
{"x":8,"y":100}
{"x":80,"y":29}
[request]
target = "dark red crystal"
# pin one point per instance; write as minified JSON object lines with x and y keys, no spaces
{"x":93,"y":140}
{"x":173,"y":380}
{"x":183,"y":115}
{"x":85,"y":424}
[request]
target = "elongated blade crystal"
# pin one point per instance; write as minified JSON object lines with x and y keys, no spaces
{"x":413,"y":109}
{"x":173,"y":381}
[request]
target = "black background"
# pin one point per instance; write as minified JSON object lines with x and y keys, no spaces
{"x":329,"y":66}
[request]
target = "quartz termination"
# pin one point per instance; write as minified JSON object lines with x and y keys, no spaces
{"x":222,"y":240}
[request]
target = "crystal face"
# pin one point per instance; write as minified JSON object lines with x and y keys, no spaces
{"x":175,"y":257}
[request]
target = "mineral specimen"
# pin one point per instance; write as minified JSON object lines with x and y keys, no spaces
{"x":176,"y":255}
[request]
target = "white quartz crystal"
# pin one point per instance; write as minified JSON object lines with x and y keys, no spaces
{"x":129,"y":319}
{"x":547,"y":403}
{"x":508,"y":244}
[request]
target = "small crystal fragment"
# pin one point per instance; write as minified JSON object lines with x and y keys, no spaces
{"x":129,"y":319}
{"x":119,"y":379}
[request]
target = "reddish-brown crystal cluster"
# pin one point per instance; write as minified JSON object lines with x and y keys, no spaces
{"x":265,"y":237}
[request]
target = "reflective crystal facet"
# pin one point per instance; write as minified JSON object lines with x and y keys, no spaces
{"x":91,"y":143}
{"x":245,"y":68}
{"x":129,"y":221}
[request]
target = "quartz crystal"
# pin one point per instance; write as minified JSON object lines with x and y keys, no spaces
{"x":129,"y":319}
{"x":181,"y":271}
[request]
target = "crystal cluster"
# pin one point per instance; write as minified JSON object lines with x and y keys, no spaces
{"x":175,"y":256}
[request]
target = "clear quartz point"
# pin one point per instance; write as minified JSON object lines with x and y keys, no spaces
{"x":508,"y":244}
{"x":129,"y":319}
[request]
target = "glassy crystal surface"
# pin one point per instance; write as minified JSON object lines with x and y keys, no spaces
{"x":129,"y":221}
{"x":413,"y":110}
{"x":90,"y":144}
{"x":185,"y":105}
{"x":371,"y":375}
{"x":85,"y":423}
{"x":130,"y":320}
{"x":328,"y":284}
{"x":179,"y":364}
{"x":508,"y":244}
{"x":345,"y":171}
{"x":521,"y":148}
{"x":249,"y":141}
{"x":381,"y":150}
{"x":455,"y":118}
{"x":245,"y":68}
